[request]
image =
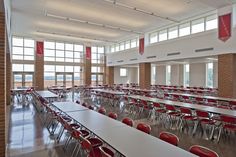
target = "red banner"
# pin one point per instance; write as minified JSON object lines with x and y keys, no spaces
{"x":39,"y":48}
{"x":88,"y":52}
{"x":141,"y":46}
{"x":224,"y":27}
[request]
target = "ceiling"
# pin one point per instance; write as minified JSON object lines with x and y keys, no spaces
{"x":95,"y":21}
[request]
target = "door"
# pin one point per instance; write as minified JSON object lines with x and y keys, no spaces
{"x":97,"y":79}
{"x":23,"y":80}
{"x":65,"y":79}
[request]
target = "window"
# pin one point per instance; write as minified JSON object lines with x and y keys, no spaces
{"x":117,"y":48}
{"x":122,"y":46}
{"x":163,"y":35}
{"x":97,"y":55}
{"x":22,"y":49}
{"x":211,"y":22}
{"x":112,"y":48}
{"x":127,"y":44}
{"x":22,"y":67}
{"x":153,"y":75}
{"x":168,"y":75}
{"x":133,"y":43}
{"x":173,"y":32}
{"x":153,"y":38}
{"x":186,"y":75}
{"x":123,"y":72}
{"x":184,"y":29}
{"x":198,"y":26}
{"x":209,"y":75}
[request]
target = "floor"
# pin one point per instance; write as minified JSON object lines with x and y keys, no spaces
{"x":28,"y":138}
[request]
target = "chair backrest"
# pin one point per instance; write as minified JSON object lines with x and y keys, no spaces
{"x":169,"y":137}
{"x":86,"y":145}
{"x":91,"y":107}
{"x":170,"y":107}
{"x":144,"y":128}
{"x":112,"y":115}
{"x":228,"y":119}
{"x":102,"y":110}
{"x":202,"y":151}
{"x":155,"y":104}
{"x":185,"y":110}
{"x":84,"y":104}
{"x":202,"y":114}
{"x":77,"y":101}
{"x":106,"y":152}
{"x":128,"y":121}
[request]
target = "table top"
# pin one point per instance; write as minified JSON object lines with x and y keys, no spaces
{"x":94,"y":121}
{"x":69,"y":106}
{"x":204,"y":96}
{"x":188,"y":105}
{"x":109,"y":91}
{"x":141,"y":90}
{"x":47,"y":94}
{"x":186,"y":89}
{"x":133,"y":143}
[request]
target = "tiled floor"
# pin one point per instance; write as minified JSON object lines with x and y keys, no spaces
{"x":28,"y":137}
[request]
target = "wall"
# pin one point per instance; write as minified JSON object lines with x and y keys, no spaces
{"x":160,"y":50}
{"x":197,"y":74}
{"x":132,"y":75}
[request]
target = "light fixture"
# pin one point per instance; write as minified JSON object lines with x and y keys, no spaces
{"x":93,"y":23}
{"x":114,"y":2}
{"x":73,"y":36}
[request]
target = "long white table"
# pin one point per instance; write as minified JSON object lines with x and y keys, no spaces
{"x":188,"y":105}
{"x":94,"y":121}
{"x":134,"y":143}
{"x":127,"y":140}
{"x":108,"y":91}
{"x":204,"y":97}
{"x":69,"y":106}
{"x":47,"y":94}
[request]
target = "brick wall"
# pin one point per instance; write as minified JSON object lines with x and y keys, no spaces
{"x":145,"y":75}
{"x":109,"y":75}
{"x":8,"y":77}
{"x":227,"y":75}
{"x":39,"y":72}
{"x":2,"y":85}
{"x":87,"y":72}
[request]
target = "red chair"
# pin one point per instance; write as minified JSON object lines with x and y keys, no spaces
{"x":186,"y":115}
{"x":228,"y":124}
{"x":91,"y":107}
{"x":172,"y":114}
{"x":84,"y":104}
{"x":112,"y":115}
{"x":144,"y":128}
{"x":204,"y":119}
{"x":77,"y":101}
{"x":128,"y":121}
{"x":160,"y":111}
{"x":202,"y":151}
{"x":102,"y":110}
{"x":169,"y":137}
{"x":232,"y":105}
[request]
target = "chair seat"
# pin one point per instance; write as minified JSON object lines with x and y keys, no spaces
{"x":95,"y":142}
{"x":85,"y":133}
{"x":202,"y":151}
{"x":75,"y":126}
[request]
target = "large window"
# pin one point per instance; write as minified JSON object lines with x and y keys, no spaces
{"x":124,"y":45}
{"x":168,"y":75}
{"x":153,"y":74}
{"x":186,"y":75}
{"x":97,"y":69}
{"x":23,"y":49}
{"x":198,"y":26}
{"x":184,"y":29}
{"x":123,"y":72}
{"x":209,"y":75}
{"x":63,"y":63}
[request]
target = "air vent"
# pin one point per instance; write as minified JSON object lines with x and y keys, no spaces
{"x":133,"y":59}
{"x":173,"y":54}
{"x":120,"y":61}
{"x":149,"y":57}
{"x":205,"y":49}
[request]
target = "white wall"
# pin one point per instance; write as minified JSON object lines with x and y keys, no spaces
{"x":197,"y":74}
{"x":132,"y":75}
{"x":185,"y":45}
